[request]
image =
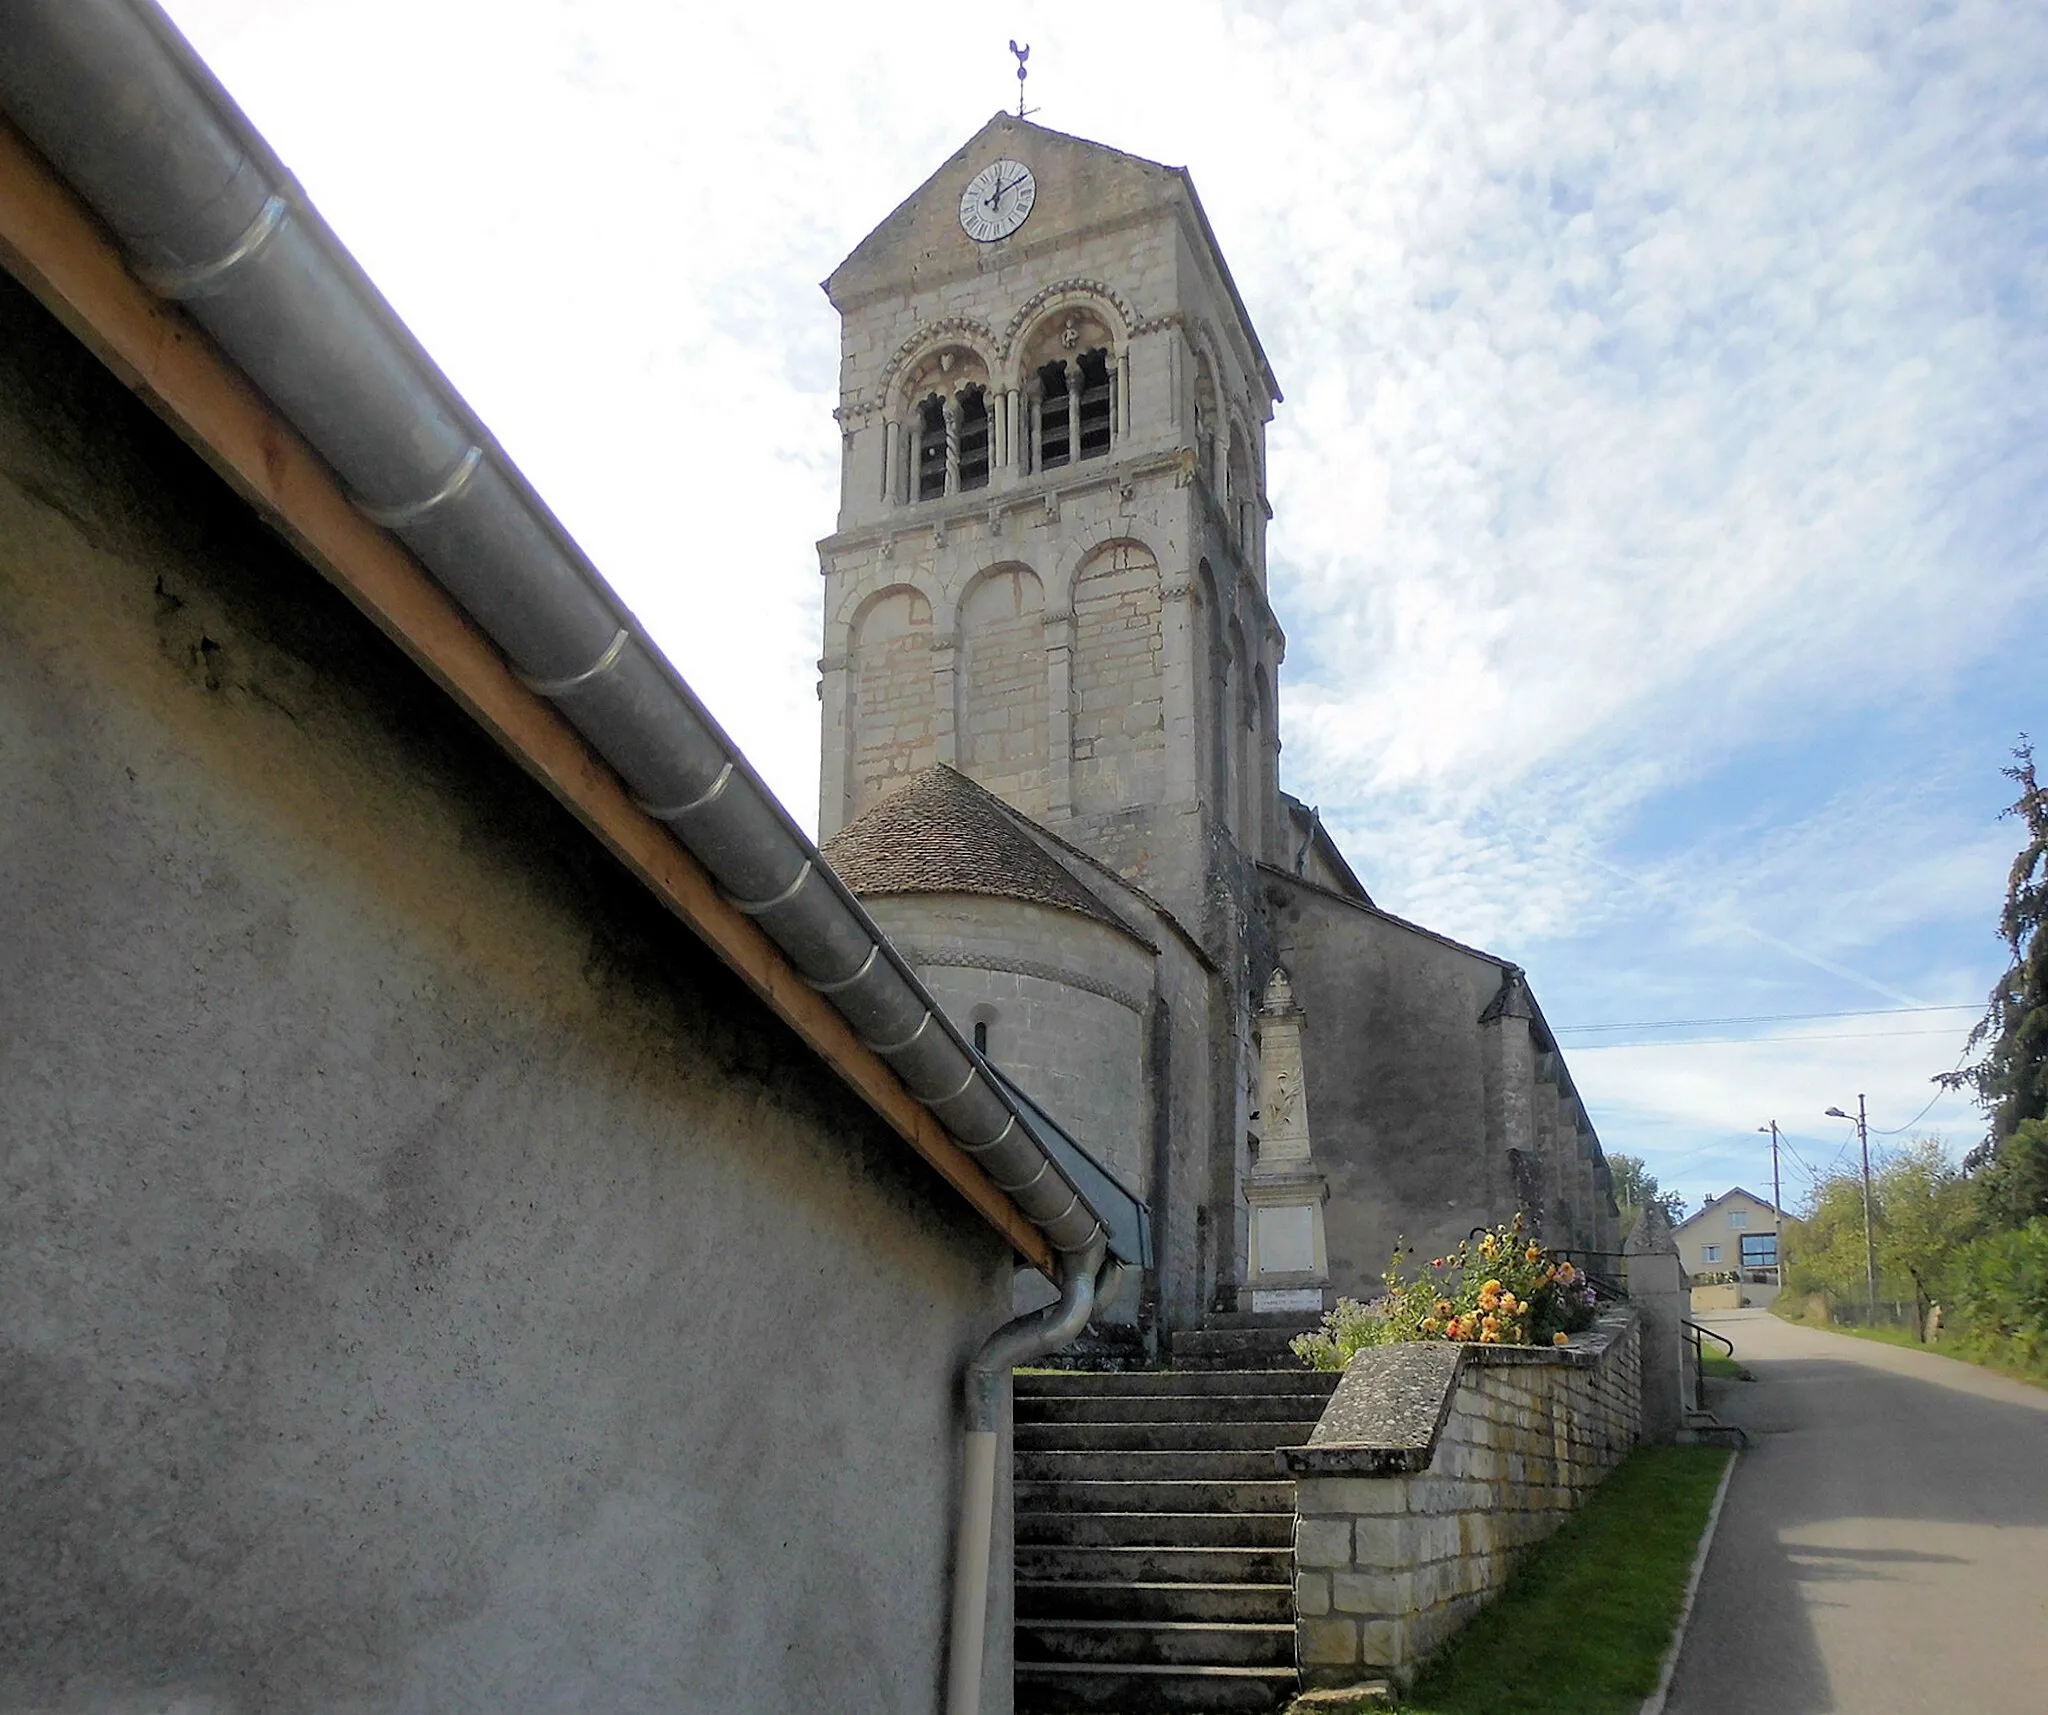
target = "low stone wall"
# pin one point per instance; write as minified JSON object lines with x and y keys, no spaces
{"x":1432,"y":1468}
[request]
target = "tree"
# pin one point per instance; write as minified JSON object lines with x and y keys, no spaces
{"x":1635,"y":1189}
{"x":1922,"y":1213}
{"x":2011,"y":1077}
{"x":1925,"y":1213}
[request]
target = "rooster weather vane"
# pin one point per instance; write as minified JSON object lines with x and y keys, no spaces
{"x":1023,"y":54}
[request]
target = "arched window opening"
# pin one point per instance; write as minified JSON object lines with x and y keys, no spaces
{"x":1097,"y":404}
{"x":973,"y":437}
{"x":981,"y":1036}
{"x":931,"y":449}
{"x":1055,"y":420}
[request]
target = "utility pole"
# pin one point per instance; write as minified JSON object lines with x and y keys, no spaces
{"x":1869,"y":1230}
{"x":1777,"y":1207}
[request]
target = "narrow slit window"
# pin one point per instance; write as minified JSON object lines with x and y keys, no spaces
{"x":1096,"y":404}
{"x":973,"y":438}
{"x":1055,"y":441}
{"x":981,"y":1036}
{"x":931,"y":449}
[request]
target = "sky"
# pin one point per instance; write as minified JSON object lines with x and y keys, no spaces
{"x":1660,"y":487}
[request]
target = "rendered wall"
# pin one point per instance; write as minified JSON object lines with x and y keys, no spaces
{"x":427,"y":1280}
{"x":1394,"y":1058}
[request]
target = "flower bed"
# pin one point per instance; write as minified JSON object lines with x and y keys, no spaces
{"x":1498,"y":1288}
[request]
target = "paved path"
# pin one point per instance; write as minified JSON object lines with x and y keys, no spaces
{"x":1884,"y":1546}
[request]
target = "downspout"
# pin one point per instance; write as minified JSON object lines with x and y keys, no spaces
{"x":1088,"y":1281}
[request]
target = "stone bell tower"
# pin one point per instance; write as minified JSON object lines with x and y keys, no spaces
{"x":1049,"y":566}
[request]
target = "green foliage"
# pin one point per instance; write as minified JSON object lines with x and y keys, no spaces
{"x":1923,"y":1209}
{"x":1635,"y":1189}
{"x":1999,"y":1292}
{"x":1585,"y":1621}
{"x":2011,"y":1079}
{"x":1500,"y":1290}
{"x":2011,"y":1177}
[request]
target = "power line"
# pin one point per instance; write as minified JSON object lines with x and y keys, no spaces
{"x":1916,"y":1119}
{"x":1755,"y":1018}
{"x":1781,"y":1036}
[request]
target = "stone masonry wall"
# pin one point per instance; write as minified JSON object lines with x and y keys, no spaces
{"x":1119,"y":688}
{"x":1004,"y":695}
{"x":1433,"y":1468}
{"x":897,"y":725}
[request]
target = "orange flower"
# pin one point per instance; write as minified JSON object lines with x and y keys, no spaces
{"x":1443,"y":1307}
{"x":1507,"y":1302}
{"x":1566,"y":1273}
{"x":1560,"y":1339}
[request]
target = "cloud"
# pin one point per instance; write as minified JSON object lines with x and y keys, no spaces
{"x":1661,"y":491}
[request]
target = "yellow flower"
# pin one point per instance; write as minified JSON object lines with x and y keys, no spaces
{"x":1489,"y":1337}
{"x":1507,"y":1301}
{"x":1535,"y":1255}
{"x":1567,"y":1273}
{"x":1560,"y":1339}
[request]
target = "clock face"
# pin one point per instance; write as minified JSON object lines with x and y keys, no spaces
{"x":994,"y":205}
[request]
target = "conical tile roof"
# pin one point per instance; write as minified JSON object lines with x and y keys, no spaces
{"x":942,"y":833}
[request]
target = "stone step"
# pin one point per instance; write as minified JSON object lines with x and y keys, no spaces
{"x":1172,"y":1408}
{"x":1257,"y":1465}
{"x":1275,"y":1495}
{"x":1163,"y":1437}
{"x":1289,"y":1321}
{"x":1086,"y":1384}
{"x":1151,"y":1563}
{"x":1150,"y":1529}
{"x":1156,"y":1643}
{"x":1233,"y":1348}
{"x":1066,"y":1688}
{"x":1159,"y":1599}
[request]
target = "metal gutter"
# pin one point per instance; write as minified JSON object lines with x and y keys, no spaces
{"x":116,"y":101}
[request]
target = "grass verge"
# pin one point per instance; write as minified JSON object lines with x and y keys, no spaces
{"x":1586,"y":1620}
{"x":1964,"y":1351}
{"x":1721,"y":1365}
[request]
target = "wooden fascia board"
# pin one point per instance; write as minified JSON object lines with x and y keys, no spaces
{"x":56,"y":248}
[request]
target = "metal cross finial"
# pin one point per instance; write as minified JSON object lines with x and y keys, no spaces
{"x":1023,"y":54}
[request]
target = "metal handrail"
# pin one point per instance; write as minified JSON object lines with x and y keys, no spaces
{"x":1694,"y":1334}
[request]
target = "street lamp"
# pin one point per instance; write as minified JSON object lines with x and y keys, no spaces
{"x":1777,"y":1208}
{"x":1869,"y":1237}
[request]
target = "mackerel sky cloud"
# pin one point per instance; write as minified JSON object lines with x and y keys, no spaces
{"x":1661,"y":484}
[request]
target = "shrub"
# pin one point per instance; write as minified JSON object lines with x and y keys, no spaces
{"x":1500,"y":1290}
{"x":1999,"y":1291}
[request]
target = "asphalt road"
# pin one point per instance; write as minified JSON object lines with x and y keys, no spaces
{"x":1884,"y":1545}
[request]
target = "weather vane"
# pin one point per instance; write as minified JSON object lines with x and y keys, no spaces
{"x":1023,"y":54}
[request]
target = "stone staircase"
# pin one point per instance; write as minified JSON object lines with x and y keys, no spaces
{"x":1239,"y":1340}
{"x":1155,"y":1538}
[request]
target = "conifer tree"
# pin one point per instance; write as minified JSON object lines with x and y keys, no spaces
{"x":2011,"y":1077}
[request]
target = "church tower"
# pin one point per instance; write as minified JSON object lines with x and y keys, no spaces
{"x":1049,"y":566}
